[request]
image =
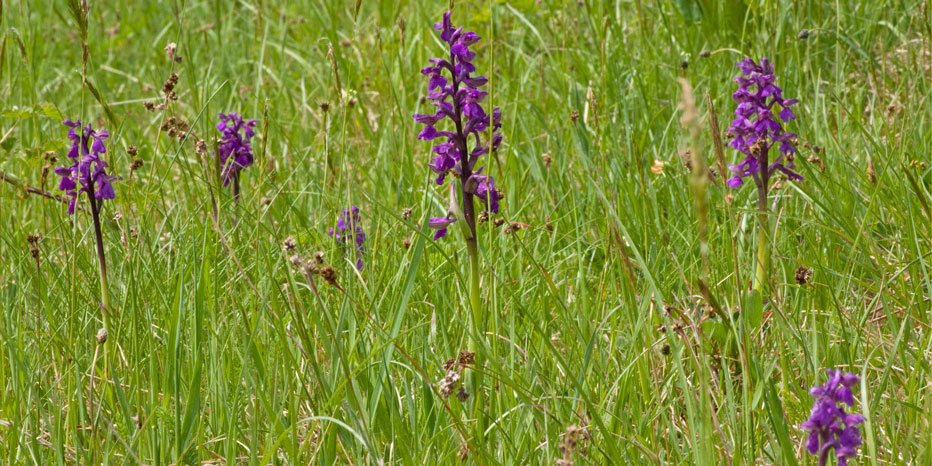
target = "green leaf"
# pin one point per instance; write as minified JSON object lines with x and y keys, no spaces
{"x":753,"y":309}
{"x":49,"y":110}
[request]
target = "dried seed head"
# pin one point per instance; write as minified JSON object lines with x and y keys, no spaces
{"x":319,"y":257}
{"x":170,"y":84}
{"x":547,"y":224}
{"x":548,"y":160}
{"x":499,"y":222}
{"x":117,"y":217}
{"x":170,"y":50}
{"x":463,"y":454}
{"x":483,"y":216}
{"x":329,"y":274}
{"x":33,"y":238}
{"x":447,"y":385}
{"x":201,"y":147}
{"x":574,"y":115}
{"x":132,"y":232}
{"x":289,"y":245}
{"x":324,"y":106}
{"x":150,"y":106}
{"x":136,"y":165}
{"x":406,"y":213}
{"x":466,"y":358}
{"x":296,"y":260}
{"x":803,"y":275}
{"x":450,"y":364}
{"x":665,"y":350}
{"x":684,"y":64}
{"x":804,"y":34}
{"x":346,"y":43}
{"x":816,"y":160}
{"x":871,"y":174}
{"x":101,"y":336}
{"x":705,"y":54}
{"x":132,"y":150}
{"x":406,"y":243}
{"x":757,"y":146}
{"x":462,"y":395}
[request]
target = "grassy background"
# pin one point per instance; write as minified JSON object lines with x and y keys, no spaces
{"x":221,"y":352}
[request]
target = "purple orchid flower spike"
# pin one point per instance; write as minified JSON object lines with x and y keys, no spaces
{"x":349,"y":226}
{"x":830,"y":427}
{"x":459,"y":99}
{"x":756,"y":129}
{"x":88,"y":171}
{"x":234,"y":149}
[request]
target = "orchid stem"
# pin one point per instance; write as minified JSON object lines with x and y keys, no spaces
{"x":763,"y":219}
{"x":104,"y":293}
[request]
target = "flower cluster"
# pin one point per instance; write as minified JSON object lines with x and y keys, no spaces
{"x":755,"y":128}
{"x":235,"y":151}
{"x":350,"y":226}
{"x":460,"y":100}
{"x":88,"y":172}
{"x":829,"y":426}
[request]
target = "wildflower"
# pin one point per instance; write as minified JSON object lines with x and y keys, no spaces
{"x":828,"y":425}
{"x":459,"y":98}
{"x":350,"y":226}
{"x":756,"y":129}
{"x":234,"y":148}
{"x":440,"y":224}
{"x":88,"y":172}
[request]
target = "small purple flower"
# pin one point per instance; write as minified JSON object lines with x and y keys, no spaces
{"x":829,"y":426}
{"x":349,"y":225}
{"x":755,"y":128}
{"x":459,"y":99}
{"x":88,"y":172}
{"x":235,"y":151}
{"x":440,"y":224}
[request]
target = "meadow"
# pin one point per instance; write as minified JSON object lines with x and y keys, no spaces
{"x":616,"y":309}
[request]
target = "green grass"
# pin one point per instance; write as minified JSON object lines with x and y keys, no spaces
{"x":220,"y":351}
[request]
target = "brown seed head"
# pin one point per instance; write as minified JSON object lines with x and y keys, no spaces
{"x":548,"y":160}
{"x":406,"y":213}
{"x":101,"y":336}
{"x":803,"y":275}
{"x":448,"y":384}
{"x":201,"y":147}
{"x":132,"y":150}
{"x":329,"y":274}
{"x":466,"y":358}
{"x":289,"y":245}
